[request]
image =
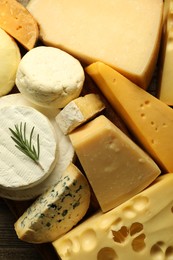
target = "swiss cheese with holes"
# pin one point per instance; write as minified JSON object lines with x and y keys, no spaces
{"x":139,"y":229}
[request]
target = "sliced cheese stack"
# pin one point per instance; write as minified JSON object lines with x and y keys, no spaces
{"x":64,"y":146}
{"x":79,"y":111}
{"x":9,"y":61}
{"x":166,"y":73}
{"x":150,"y":120}
{"x":116,"y":168}
{"x":56,"y":211}
{"x":49,"y":77}
{"x":19,"y":23}
{"x":124,"y":34}
{"x":17,"y":170}
{"x":139,"y":229}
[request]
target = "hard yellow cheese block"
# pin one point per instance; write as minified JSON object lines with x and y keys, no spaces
{"x":150,"y":119}
{"x":124,"y":34}
{"x":139,"y":229}
{"x":166,"y":72}
{"x":116,"y":168}
{"x":18,"y":22}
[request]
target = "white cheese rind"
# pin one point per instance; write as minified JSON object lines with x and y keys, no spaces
{"x":17,"y":170}
{"x":49,"y":77}
{"x":65,"y":153}
{"x":56,"y":211}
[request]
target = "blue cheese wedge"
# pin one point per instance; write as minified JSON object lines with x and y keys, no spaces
{"x":18,"y":170}
{"x":64,"y":146}
{"x":56,"y":211}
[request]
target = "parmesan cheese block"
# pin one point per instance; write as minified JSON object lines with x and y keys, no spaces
{"x":150,"y":120}
{"x":49,"y":77}
{"x":124,"y":34}
{"x":64,"y":146}
{"x":139,"y":229}
{"x":9,"y":61}
{"x":19,"y":23}
{"x":56,"y":211}
{"x":17,"y":170}
{"x":79,"y":111}
{"x":116,"y":167}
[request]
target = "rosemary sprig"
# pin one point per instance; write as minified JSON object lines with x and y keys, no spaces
{"x":25,"y":145}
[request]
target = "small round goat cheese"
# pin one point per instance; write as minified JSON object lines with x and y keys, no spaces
{"x":50,"y":77}
{"x":17,"y":169}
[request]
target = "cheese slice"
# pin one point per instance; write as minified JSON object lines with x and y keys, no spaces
{"x":124,"y":34}
{"x":17,"y":170}
{"x":19,"y":23}
{"x":64,"y":146}
{"x":149,"y":119}
{"x":139,"y":229}
{"x":9,"y":61}
{"x":166,"y":65}
{"x":56,"y":211}
{"x":116,"y":168}
{"x":79,"y":111}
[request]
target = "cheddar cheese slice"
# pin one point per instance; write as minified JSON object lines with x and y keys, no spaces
{"x":149,"y":119}
{"x":124,"y":34}
{"x":139,"y":229}
{"x":19,"y":23}
{"x":116,"y":168}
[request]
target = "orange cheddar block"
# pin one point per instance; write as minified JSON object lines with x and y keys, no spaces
{"x":16,"y":20}
{"x":150,"y":120}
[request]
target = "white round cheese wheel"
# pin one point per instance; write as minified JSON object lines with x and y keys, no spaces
{"x":9,"y":61}
{"x":17,"y":169}
{"x":50,"y":77}
{"x":65,"y":152}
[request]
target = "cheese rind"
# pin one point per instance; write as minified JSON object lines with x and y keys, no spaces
{"x":116,"y":167}
{"x":124,"y":34}
{"x":19,"y":23}
{"x":49,"y":77}
{"x":17,"y":170}
{"x":79,"y":111}
{"x":9,"y":61}
{"x":65,"y":151}
{"x":139,"y":229}
{"x":56,"y":211}
{"x":150,"y":120}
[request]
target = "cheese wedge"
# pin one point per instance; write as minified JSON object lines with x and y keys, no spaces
{"x":17,"y":169}
{"x":116,"y":168}
{"x":166,"y":66}
{"x":150,"y":120}
{"x":19,"y":23}
{"x":64,"y":146}
{"x":56,"y":211}
{"x":9,"y":61}
{"x":79,"y":111}
{"x":124,"y":34}
{"x":139,"y":229}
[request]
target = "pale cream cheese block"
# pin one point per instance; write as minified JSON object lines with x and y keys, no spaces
{"x":79,"y":111}
{"x":139,"y":229}
{"x":115,"y":166}
{"x":49,"y":77}
{"x":57,"y":210}
{"x":17,"y":170}
{"x":124,"y":34}
{"x":9,"y":61}
{"x":64,"y":146}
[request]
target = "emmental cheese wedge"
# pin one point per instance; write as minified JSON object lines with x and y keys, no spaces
{"x":139,"y":229}
{"x":124,"y":34}
{"x":150,"y":120}
{"x":79,"y":111}
{"x":56,"y":211}
{"x":19,"y":23}
{"x":116,"y":168}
